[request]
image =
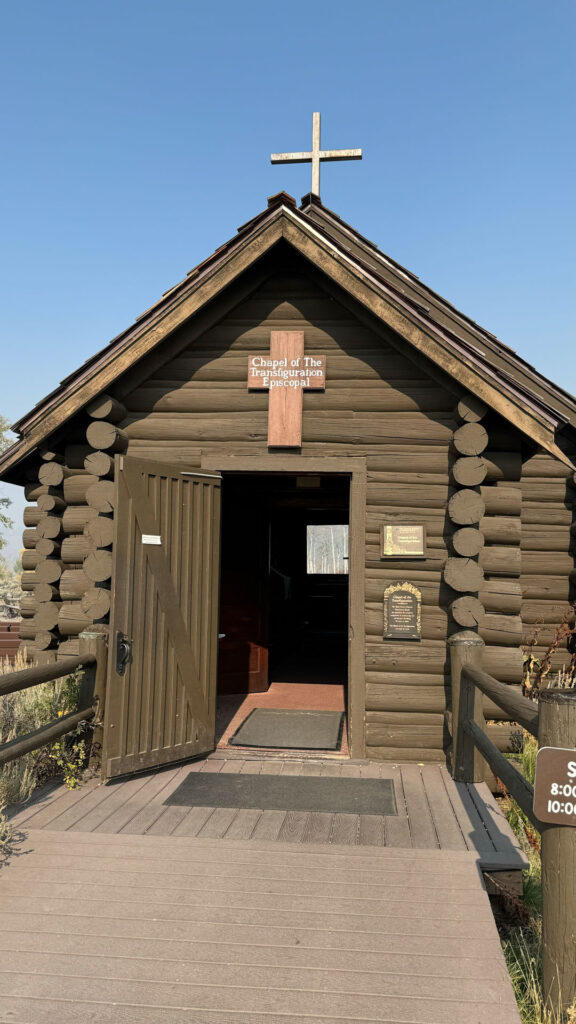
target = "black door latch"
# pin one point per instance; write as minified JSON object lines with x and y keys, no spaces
{"x":123,"y":652}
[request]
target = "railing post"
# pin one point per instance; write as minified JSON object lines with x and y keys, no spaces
{"x":93,"y":685}
{"x":465,"y":650}
{"x":557,"y":728}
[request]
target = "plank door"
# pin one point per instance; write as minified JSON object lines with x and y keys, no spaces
{"x":161,"y":708}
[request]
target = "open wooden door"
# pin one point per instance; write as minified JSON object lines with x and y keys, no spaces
{"x":164,"y":627}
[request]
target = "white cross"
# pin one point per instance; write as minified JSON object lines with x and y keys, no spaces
{"x":316,"y":155}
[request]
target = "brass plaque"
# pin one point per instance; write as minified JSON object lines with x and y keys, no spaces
{"x":402,"y":612}
{"x":555,"y":786}
{"x":402,"y":540}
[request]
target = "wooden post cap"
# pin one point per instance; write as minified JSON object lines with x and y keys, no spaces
{"x":559,"y":696}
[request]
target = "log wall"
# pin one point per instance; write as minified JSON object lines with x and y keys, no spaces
{"x":497,"y":514}
{"x":548,"y":577}
{"x":68,"y":554}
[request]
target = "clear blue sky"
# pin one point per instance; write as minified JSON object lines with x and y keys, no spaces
{"x":137,"y":138}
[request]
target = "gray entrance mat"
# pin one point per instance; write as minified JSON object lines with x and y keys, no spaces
{"x":290,"y":730}
{"x":286,"y":793}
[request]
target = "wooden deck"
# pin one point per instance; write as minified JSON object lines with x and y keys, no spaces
{"x":434,"y":812}
{"x":147,"y":913}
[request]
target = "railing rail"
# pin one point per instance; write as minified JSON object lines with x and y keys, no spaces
{"x":520,"y":709}
{"x":553,"y":723}
{"x":11,"y":682}
{"x":92,"y":659}
{"x":45,"y":734}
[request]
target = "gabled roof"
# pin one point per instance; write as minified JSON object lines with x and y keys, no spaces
{"x":480,"y":363}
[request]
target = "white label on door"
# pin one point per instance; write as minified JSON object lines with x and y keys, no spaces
{"x":151,"y":538}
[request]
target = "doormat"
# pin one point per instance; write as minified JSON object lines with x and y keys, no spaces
{"x":282,"y":729}
{"x":286,"y":793}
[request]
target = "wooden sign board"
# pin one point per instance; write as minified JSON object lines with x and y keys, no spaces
{"x":302,"y":372}
{"x":402,"y":540}
{"x":555,"y":786}
{"x":402,"y":612}
{"x":286,"y":372}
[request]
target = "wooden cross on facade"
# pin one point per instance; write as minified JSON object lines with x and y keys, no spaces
{"x":316,"y":156}
{"x":286,"y":373}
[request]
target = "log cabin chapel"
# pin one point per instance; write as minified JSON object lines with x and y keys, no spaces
{"x":286,"y":486}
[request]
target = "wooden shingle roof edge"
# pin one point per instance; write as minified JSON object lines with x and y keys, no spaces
{"x":452,"y":341}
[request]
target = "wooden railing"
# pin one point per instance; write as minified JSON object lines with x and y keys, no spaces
{"x":553,"y":723}
{"x":92,"y":659}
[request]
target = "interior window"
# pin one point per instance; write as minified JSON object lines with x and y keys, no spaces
{"x":327,"y":549}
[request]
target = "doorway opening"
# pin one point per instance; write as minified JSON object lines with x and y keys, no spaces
{"x":284,"y":597}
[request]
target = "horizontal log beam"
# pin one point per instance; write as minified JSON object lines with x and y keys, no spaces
{"x":75,"y":518}
{"x":520,"y":709}
{"x":502,"y":501}
{"x":105,"y":407}
{"x":501,"y":530}
{"x":498,"y":560}
{"x":76,"y":488}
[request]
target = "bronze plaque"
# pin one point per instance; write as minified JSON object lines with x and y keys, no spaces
{"x":402,"y":612}
{"x":402,"y":540}
{"x":555,"y":786}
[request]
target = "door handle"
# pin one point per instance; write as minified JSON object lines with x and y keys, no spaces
{"x":123,"y":652}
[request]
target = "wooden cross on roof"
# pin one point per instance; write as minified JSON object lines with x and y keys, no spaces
{"x":316,"y":155}
{"x":286,"y":373}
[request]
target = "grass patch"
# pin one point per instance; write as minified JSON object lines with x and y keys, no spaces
{"x":520,"y":925}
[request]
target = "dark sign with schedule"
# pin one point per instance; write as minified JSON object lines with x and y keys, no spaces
{"x":555,"y":786}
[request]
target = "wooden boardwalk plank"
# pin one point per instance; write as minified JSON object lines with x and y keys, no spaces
{"x":116,"y":796}
{"x":345,"y":829}
{"x":150,"y":929}
{"x":155,"y":783}
{"x":293,"y":827}
{"x":446,"y":824}
{"x":193,"y":821}
{"x":243,"y":824}
{"x":239,"y":895}
{"x":46,"y":1011}
{"x":471,"y":823}
{"x":168,"y":821}
{"x":422,"y":829}
{"x":218,"y":823}
{"x":254,"y":991}
{"x":269,"y":825}
{"x":452,"y":964}
{"x":318,"y":828}
{"x":372,"y":830}
{"x":505,"y":842}
{"x":58,"y":802}
{"x":305,"y":977}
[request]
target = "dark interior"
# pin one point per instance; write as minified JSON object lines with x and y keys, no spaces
{"x":282,"y":623}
